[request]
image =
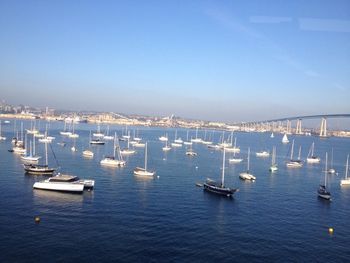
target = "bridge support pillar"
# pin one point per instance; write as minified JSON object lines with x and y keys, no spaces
{"x":323,"y":128}
{"x":298,"y":129}
{"x":289,"y":127}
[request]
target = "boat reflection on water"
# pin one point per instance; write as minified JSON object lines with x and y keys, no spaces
{"x":52,"y":197}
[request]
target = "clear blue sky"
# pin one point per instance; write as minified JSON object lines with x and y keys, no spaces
{"x":215,"y":60}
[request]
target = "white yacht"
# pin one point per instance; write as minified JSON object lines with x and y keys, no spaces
{"x":247,"y":175}
{"x":292,"y":163}
{"x":88,"y":153}
{"x":143,"y":171}
{"x":31,"y":157}
{"x":163,"y":138}
{"x":262,"y":154}
{"x":65,"y":183}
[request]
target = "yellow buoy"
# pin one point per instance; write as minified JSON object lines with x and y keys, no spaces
{"x":37,"y":219}
{"x":330,"y":230}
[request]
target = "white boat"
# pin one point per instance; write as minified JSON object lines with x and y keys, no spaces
{"x":88,"y":153}
{"x":143,"y":171}
{"x":190,"y":152}
{"x":112,"y":160}
{"x":272,"y":135}
{"x":292,"y":163}
{"x":187,"y":142}
{"x":196,"y":140}
{"x":73,"y":134}
{"x":98,"y":134}
{"x":176,"y":145}
{"x":346,"y":180}
{"x":285,"y":138}
{"x":107,"y":136}
{"x":31,"y":158}
{"x":166,"y":147}
{"x":177,"y":141}
{"x":262,"y":154}
{"x":311,"y":158}
{"x":219,"y":187}
{"x":32,"y":130}
{"x":331,"y":170}
{"x":163,"y":138}
{"x":139,"y":145}
{"x":322,"y":191}
{"x":65,"y":132}
{"x":2,"y":138}
{"x":127,"y":151}
{"x":273,"y":167}
{"x":235,"y":159}
{"x":247,"y":175}
{"x":65,"y":183}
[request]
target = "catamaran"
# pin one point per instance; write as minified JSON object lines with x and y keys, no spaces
{"x":65,"y":183}
{"x":247,"y":175}
{"x":219,"y":187}
{"x":143,"y":171}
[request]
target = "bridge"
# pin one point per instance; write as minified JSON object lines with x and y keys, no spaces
{"x":276,"y":124}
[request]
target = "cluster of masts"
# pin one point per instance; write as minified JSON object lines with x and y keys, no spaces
{"x":229,"y":145}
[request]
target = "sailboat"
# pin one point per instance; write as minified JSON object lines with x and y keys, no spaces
{"x":32,"y":130}
{"x":107,"y":136}
{"x":128,"y":150}
{"x":98,"y":134}
{"x":2,"y":138}
{"x":237,"y":150}
{"x":39,"y":169}
{"x":73,"y":134}
{"x":311,"y":158}
{"x":262,"y":154}
{"x":331,"y":170}
{"x":143,"y":171}
{"x":273,"y":166}
{"x":31,"y":157}
{"x":190,"y":152}
{"x":166,"y":147}
{"x":285,"y":138}
{"x":346,"y":180}
{"x":196,"y":139}
{"x":88,"y":152}
{"x":247,"y":175}
{"x":65,"y":132}
{"x":219,"y":187}
{"x":205,"y":141}
{"x":272,"y":135}
{"x":177,"y":141}
{"x":294,"y":163}
{"x":187,"y":142}
{"x":111,"y":160}
{"x":96,"y":141}
{"x":322,"y":190}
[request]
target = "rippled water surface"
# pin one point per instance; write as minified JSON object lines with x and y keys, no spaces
{"x":276,"y":218}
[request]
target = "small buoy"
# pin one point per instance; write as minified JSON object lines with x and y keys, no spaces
{"x":37,"y":219}
{"x":196,"y":167}
{"x":158,"y":176}
{"x":330,"y":230}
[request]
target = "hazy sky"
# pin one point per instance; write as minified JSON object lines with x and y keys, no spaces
{"x":214,"y":60}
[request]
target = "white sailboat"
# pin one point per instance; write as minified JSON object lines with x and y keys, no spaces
{"x":128,"y":151}
{"x":190,"y":152}
{"x":177,"y":141}
{"x":285,"y":138}
{"x":331,"y":170}
{"x":188,"y":142}
{"x":196,"y":140}
{"x":2,"y":138}
{"x":111,"y":160}
{"x":294,"y":163}
{"x":40,"y":169}
{"x":272,"y":135}
{"x":31,"y":157}
{"x":73,"y":134}
{"x":143,"y":171}
{"x":346,"y":180}
{"x":98,"y":134}
{"x":273,"y":166}
{"x":166,"y":148}
{"x":247,"y":175}
{"x":262,"y":154}
{"x":65,"y":132}
{"x":237,"y":150}
{"x":107,"y":136}
{"x":311,"y":158}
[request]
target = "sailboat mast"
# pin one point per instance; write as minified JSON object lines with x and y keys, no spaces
{"x":146,"y":157}
{"x":312,"y":149}
{"x":248,"y":159}
{"x":114,"y":145}
{"x":33,"y":145}
{"x":46,"y":161}
{"x":347,"y":167}
{"x":325,"y":170}
{"x":291,"y":151}
{"x":223,"y":170}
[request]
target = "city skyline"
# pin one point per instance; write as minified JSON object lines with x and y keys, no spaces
{"x":227,"y":61}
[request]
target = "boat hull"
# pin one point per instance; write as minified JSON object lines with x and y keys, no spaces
{"x":224,"y":191}
{"x":59,"y":187}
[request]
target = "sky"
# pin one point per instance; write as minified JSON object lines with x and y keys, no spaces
{"x":212,"y":60}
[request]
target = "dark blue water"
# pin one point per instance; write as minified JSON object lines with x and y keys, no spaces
{"x":276,"y":218}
